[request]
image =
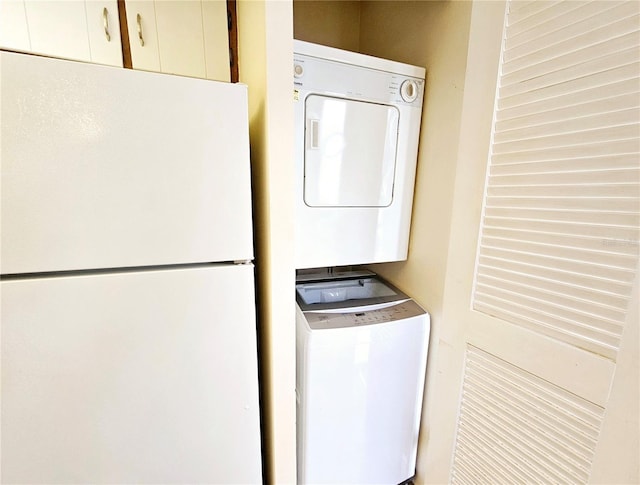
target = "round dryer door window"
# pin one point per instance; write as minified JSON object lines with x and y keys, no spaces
{"x":350,"y":152}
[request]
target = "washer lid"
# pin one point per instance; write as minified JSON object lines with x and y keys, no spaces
{"x":346,"y":293}
{"x":400,"y":311}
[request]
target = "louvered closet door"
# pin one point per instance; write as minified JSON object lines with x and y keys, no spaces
{"x":542,"y":276}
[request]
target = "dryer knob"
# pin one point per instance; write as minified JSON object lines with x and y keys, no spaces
{"x":298,"y":70}
{"x":409,"y":90}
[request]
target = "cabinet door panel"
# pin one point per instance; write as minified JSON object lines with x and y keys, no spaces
{"x":180,"y":37}
{"x":185,"y":37}
{"x":143,"y":35}
{"x":14,"y":33}
{"x":104,"y":32}
{"x":58,"y":28}
{"x":216,"y":39}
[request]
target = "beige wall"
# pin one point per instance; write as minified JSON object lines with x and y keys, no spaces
{"x":433,"y":35}
{"x":335,"y":23}
{"x":265,"y":54}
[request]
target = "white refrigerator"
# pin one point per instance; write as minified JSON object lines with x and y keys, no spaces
{"x":128,"y":331}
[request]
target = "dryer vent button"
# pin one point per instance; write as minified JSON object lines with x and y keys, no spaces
{"x":409,"y":90}
{"x":297,"y":70}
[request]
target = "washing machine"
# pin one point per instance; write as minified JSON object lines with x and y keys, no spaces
{"x":361,"y":359}
{"x":357,"y":125}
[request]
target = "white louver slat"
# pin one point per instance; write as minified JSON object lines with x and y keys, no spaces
{"x":517,"y":428}
{"x":559,"y":245}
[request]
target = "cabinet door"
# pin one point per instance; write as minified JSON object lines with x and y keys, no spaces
{"x":14,"y":33}
{"x":85,"y":31}
{"x":103,"y":27}
{"x":180,"y":37}
{"x":143,"y":35}
{"x":186,"y":37}
{"x":58,"y":28}
{"x":216,"y":39}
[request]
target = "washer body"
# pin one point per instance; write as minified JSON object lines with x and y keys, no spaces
{"x":361,"y":360}
{"x":357,"y":124}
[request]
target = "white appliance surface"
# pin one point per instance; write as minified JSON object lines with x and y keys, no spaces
{"x":105,"y":167}
{"x":361,"y":363}
{"x":357,"y":123}
{"x":346,"y":165}
{"x":134,"y":377}
{"x":127,"y":292}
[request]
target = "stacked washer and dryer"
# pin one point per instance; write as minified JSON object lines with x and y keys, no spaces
{"x":361,"y":343}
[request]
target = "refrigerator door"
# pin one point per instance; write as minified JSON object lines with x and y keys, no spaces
{"x":105,"y":168}
{"x":131,"y":377}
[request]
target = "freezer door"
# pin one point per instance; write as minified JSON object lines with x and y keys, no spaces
{"x":136,"y":377}
{"x":107,"y":167}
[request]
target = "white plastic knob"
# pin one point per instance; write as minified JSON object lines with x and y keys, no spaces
{"x":409,"y":90}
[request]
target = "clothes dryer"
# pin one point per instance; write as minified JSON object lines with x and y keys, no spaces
{"x":357,"y":123}
{"x":361,"y":360}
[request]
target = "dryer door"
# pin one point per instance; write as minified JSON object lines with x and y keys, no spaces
{"x":350,"y":152}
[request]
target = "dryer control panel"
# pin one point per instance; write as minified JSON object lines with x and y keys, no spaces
{"x":363,"y":316}
{"x":311,"y":73}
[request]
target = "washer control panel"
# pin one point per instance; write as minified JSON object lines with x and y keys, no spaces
{"x":363,"y":316}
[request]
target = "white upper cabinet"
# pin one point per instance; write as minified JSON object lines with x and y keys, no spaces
{"x":14,"y":33}
{"x":215,"y":24}
{"x":103,"y":27}
{"x":143,"y":36}
{"x":186,"y":37}
{"x":81,"y":30}
{"x":58,"y":28}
